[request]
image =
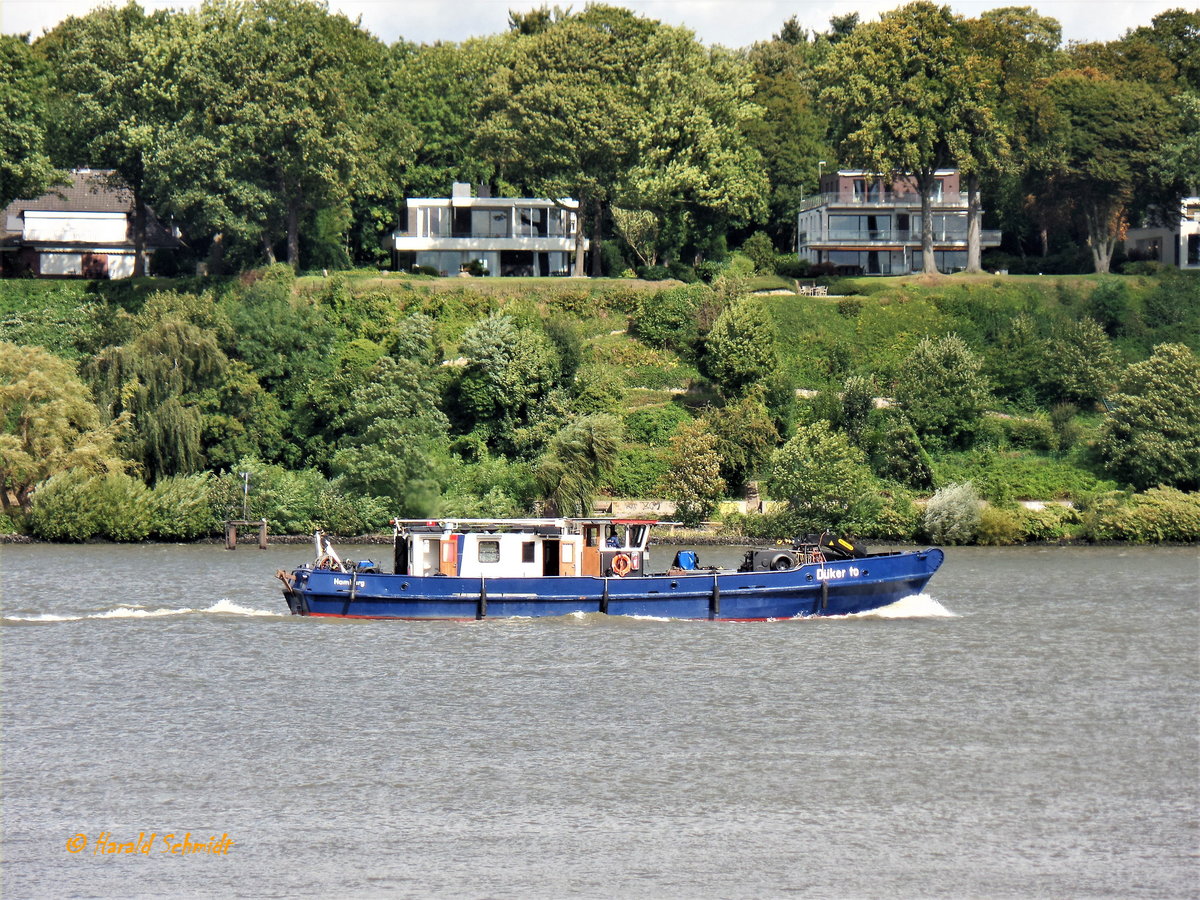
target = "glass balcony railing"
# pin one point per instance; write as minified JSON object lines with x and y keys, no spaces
{"x":883,"y":199}
{"x":893,"y":236}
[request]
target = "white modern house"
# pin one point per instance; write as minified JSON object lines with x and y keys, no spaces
{"x":503,"y":235}
{"x":864,"y":224}
{"x":1175,"y":243}
{"x":83,"y":228}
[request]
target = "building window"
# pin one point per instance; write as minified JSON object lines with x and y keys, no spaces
{"x":489,"y":551}
{"x":1193,"y":251}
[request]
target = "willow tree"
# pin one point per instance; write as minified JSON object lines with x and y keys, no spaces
{"x":576,"y":461}
{"x":159,"y":380}
{"x":50,"y":424}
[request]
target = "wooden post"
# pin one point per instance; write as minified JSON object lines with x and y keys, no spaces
{"x":231,"y":532}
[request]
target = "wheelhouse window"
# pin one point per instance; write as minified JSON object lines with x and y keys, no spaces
{"x":527,"y":551}
{"x":489,"y":551}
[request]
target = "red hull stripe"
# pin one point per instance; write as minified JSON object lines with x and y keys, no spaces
{"x":317,"y":615}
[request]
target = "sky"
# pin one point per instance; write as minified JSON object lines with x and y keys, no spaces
{"x":733,"y":23}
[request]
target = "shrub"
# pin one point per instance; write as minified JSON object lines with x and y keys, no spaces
{"x":850,"y":307}
{"x":943,"y":391}
{"x":886,"y":514}
{"x":761,"y":251}
{"x":1160,"y":514}
{"x":77,"y":506}
{"x":709,"y":270}
{"x":788,"y":266}
{"x":1151,"y":435}
{"x":639,"y":472}
{"x":181,"y":508}
{"x":1051,"y":523}
{"x":952,"y":515}
{"x":656,"y":425}
{"x":821,"y":475}
{"x":668,"y":318}
{"x":653,"y":273}
{"x":340,"y":513}
{"x":1036,"y":433}
{"x":998,"y":527}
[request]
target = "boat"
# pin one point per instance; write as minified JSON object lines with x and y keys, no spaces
{"x":482,"y":568}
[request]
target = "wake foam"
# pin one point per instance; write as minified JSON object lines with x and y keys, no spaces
{"x":224,"y":607}
{"x":918,"y":606}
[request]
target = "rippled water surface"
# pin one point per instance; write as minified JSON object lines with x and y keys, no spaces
{"x":1027,"y":728}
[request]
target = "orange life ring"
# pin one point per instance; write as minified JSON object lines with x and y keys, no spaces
{"x":620,"y":565}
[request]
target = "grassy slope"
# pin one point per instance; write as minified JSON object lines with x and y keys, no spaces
{"x":821,"y":339}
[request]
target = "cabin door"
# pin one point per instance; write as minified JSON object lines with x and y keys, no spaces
{"x":566,"y":563}
{"x":590,"y":557}
{"x":550,"y":557}
{"x":449,"y":563}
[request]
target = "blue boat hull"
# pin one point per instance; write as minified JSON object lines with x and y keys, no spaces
{"x":833,"y":588}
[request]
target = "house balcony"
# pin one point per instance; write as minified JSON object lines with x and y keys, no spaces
{"x":882,"y":200}
{"x":481,"y":241}
{"x":883,"y":239}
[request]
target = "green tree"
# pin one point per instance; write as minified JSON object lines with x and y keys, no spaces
{"x":942,"y":391}
{"x":50,"y":424}
{"x":576,"y":462}
{"x":1081,"y":362}
{"x":266,"y":129}
{"x":896,"y":91}
{"x":394,"y":438}
{"x":509,"y":374}
{"x":741,"y":349}
{"x":1151,"y":434}
{"x":694,"y":482}
{"x":25,"y":168}
{"x":791,"y":135}
{"x":112,"y":72}
{"x":438,"y":89}
{"x":821,"y":475}
{"x":1105,"y":138}
{"x":605,"y":106}
{"x":746,"y":435}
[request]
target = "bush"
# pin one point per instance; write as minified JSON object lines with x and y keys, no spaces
{"x":78,"y":506}
{"x":1052,"y":523}
{"x":639,"y":472}
{"x":668,"y":318}
{"x":656,"y":425}
{"x":339,"y":513}
{"x":1036,"y":433}
{"x":61,"y":509}
{"x":709,"y":270}
{"x":761,"y":251}
{"x":181,"y":508}
{"x":884,"y":515}
{"x":653,"y":273}
{"x":787,"y":265}
{"x":1004,"y":476}
{"x":998,"y":527}
{"x":953,"y":515}
{"x":1160,"y":514}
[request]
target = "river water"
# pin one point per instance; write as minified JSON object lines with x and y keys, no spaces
{"x":1027,"y":728}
